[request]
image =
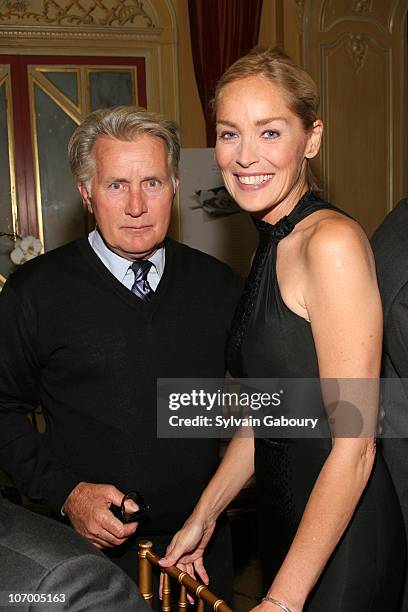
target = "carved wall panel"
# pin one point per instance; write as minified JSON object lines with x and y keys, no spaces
{"x":375,"y":12}
{"x":357,"y":144}
{"x":356,"y":51}
{"x":78,"y":13}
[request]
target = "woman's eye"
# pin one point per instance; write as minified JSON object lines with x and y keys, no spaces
{"x":270,"y":134}
{"x":225,"y":135}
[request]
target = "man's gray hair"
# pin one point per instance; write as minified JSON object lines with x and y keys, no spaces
{"x":124,"y":123}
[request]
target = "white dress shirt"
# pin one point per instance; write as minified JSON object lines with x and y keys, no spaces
{"x":120,"y":267}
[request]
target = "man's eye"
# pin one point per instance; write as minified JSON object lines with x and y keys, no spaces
{"x":226,"y":135}
{"x":115,"y":186}
{"x":269,"y":134}
{"x":152,"y":185}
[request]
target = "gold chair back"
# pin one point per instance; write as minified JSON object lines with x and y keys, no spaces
{"x":147,"y":559}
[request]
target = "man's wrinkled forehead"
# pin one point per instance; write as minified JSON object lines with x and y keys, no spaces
{"x":151,"y":145}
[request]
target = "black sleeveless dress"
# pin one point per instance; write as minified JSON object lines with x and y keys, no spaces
{"x":267,"y":339}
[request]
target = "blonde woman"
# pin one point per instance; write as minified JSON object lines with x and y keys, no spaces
{"x":332,"y":536}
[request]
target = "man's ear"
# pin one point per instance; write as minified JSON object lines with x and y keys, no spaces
{"x":85,"y":195}
{"x":176,"y":183}
{"x":314,"y":139}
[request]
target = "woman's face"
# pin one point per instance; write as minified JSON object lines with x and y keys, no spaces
{"x":261,"y":146}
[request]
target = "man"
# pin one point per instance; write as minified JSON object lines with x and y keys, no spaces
{"x":88,"y":328}
{"x":390,"y":245}
{"x":44,"y":559}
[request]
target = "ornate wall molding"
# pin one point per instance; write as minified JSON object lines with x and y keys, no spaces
{"x":89,"y":13}
{"x":357,"y":48}
{"x":362,"y":6}
{"x":300,"y":7}
{"x":369,"y":12}
{"x":114,"y":34}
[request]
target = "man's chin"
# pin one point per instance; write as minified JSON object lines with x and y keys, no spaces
{"x":138,"y":251}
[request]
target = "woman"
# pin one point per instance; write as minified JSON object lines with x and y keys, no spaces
{"x":311,"y":308}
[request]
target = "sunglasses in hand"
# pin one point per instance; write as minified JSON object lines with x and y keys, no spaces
{"x":131,"y":517}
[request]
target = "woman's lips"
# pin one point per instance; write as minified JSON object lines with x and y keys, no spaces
{"x":253,"y":182}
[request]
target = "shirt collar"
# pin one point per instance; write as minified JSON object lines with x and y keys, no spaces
{"x":118,"y":265}
{"x":158,"y":259}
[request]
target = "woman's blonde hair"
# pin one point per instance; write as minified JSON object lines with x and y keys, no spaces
{"x":274,"y":64}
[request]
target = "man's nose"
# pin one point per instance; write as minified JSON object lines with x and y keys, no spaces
{"x":247,"y":153}
{"x":136,"y":203}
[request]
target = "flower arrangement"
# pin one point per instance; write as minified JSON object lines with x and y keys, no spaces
{"x":26,"y":247}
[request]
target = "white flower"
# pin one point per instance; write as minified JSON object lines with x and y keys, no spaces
{"x":18,"y":256}
{"x":31,"y":246}
{"x":25,"y":248}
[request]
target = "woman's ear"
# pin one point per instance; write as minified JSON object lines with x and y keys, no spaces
{"x":314,"y":139}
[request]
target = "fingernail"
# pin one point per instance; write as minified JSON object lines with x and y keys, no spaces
{"x":132,"y":506}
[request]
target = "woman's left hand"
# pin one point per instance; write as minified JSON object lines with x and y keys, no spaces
{"x":186,"y":550}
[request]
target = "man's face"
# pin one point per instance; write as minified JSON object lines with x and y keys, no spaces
{"x":131,"y":194}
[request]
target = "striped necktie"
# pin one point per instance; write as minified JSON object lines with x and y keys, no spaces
{"x":141,"y":286}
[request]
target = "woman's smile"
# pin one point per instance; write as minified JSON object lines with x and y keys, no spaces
{"x":253,"y":182}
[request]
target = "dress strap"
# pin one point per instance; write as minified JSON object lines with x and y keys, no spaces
{"x":307,"y":205}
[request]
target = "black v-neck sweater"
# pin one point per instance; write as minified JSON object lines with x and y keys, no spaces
{"x":80,"y":343}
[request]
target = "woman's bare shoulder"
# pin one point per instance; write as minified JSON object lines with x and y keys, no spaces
{"x":334,"y":236}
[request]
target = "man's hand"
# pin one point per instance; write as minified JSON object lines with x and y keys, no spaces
{"x":87,"y":507}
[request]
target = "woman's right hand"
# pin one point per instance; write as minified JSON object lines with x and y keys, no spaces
{"x":187,"y":548}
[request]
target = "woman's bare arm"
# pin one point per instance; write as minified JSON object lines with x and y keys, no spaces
{"x":344,"y":307}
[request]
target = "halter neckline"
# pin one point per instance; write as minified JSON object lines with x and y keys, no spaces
{"x":286,"y":224}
